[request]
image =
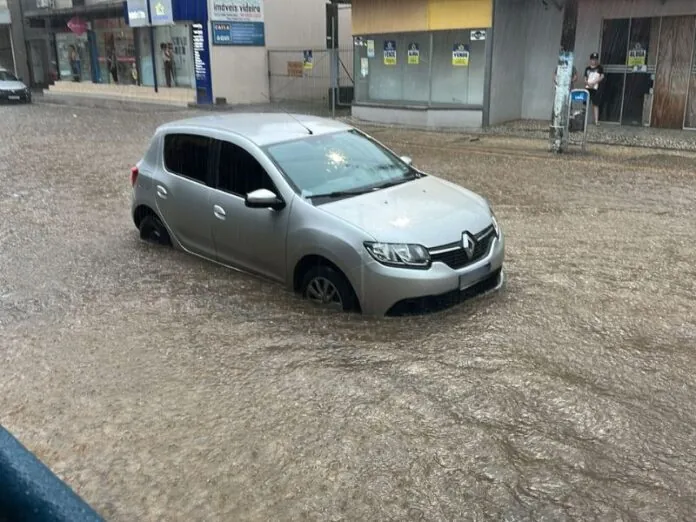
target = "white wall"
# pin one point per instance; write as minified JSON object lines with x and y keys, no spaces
{"x":240,"y":74}
{"x":543,"y":44}
{"x":507,"y":74}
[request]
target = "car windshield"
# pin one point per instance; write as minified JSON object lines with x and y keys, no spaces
{"x":339,"y":164}
{"x":7,"y":77}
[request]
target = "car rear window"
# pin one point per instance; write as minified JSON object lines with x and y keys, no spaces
{"x":187,"y":155}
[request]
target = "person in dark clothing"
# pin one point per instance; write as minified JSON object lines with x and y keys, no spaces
{"x":594,"y":82}
{"x":167,"y":58}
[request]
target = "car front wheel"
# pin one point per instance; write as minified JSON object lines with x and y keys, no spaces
{"x":323,"y":286}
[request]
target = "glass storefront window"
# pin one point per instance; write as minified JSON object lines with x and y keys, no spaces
{"x":65,"y":44}
{"x":176,"y":38}
{"x":428,"y":69}
{"x":116,"y":51}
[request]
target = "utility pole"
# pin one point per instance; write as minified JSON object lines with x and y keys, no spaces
{"x":564,"y":78}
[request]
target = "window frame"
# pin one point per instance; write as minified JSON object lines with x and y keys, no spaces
{"x":209,"y":172}
{"x":486,"y":58}
{"x":215,"y":163}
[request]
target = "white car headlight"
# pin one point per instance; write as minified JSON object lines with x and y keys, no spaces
{"x":399,"y":255}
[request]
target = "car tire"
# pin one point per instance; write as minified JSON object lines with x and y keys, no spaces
{"x":327,"y":287}
{"x":153,"y":230}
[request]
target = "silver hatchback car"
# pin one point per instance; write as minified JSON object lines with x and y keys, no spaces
{"x":319,"y":206}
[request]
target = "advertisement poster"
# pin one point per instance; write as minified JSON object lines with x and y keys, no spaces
{"x":460,"y":55}
{"x":237,"y":22}
{"x":389,"y":52}
{"x":370,"y":48}
{"x":308,"y":61}
{"x":201,"y":63}
{"x":364,"y":67}
{"x":236,"y":10}
{"x":413,"y":53}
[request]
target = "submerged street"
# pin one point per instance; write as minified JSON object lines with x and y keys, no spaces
{"x":163,"y":387}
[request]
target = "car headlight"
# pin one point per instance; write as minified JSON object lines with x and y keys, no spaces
{"x":496,"y":226}
{"x":399,"y":255}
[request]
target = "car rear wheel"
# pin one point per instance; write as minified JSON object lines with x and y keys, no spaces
{"x":153,"y":231}
{"x":323,"y":286}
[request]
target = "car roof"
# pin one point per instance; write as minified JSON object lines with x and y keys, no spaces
{"x":263,"y":128}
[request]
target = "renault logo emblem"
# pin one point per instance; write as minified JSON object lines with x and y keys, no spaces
{"x":468,"y":245}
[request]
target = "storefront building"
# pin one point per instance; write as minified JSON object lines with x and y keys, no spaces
{"x":474,"y":63}
{"x":74,"y":40}
{"x":422,"y":62}
{"x":6,"y":52}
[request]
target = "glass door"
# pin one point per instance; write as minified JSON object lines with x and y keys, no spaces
{"x":613,"y":56}
{"x":640,"y":66}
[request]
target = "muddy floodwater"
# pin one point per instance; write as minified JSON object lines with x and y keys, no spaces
{"x":164,"y":388}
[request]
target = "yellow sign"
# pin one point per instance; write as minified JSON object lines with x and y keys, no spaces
{"x":389,"y":52}
{"x":159,"y":9}
{"x":413,"y":53}
{"x":636,"y":57}
{"x":460,"y":55}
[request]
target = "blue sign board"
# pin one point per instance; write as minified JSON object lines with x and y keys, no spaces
{"x":201,"y":63}
{"x":579,"y":95}
{"x":239,"y":33}
{"x":161,"y":12}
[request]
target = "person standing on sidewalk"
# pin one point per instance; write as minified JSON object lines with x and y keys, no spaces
{"x":594,"y":82}
{"x":167,"y":57}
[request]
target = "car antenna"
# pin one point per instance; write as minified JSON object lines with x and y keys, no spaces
{"x":311,"y":133}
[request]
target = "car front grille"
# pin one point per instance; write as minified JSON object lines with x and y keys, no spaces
{"x":454,"y":255}
{"x":438,"y":303}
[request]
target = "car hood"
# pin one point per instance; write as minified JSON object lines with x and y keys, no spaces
{"x":11,"y":86}
{"x":427,"y":211}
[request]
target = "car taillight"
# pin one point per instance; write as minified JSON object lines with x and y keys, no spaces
{"x":133,"y":176}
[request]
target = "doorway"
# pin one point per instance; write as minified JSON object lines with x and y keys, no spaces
{"x":649,"y":65}
{"x":674,"y":64}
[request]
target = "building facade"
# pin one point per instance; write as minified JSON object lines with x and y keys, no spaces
{"x":6,"y":51}
{"x":473,"y":63}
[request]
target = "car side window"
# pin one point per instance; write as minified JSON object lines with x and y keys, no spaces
{"x":187,"y":155}
{"x":239,"y":173}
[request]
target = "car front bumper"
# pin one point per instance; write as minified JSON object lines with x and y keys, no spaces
{"x":15,"y":96}
{"x":392,"y":291}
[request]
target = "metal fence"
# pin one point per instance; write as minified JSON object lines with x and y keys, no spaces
{"x":304,"y":77}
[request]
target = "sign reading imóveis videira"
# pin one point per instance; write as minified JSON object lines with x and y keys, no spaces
{"x":237,"y":22}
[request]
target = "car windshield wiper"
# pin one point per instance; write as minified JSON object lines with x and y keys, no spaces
{"x":342,"y":193}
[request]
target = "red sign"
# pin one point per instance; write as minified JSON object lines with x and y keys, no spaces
{"x":77,"y":26}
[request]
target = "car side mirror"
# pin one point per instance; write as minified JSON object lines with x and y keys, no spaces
{"x":263,"y":198}
{"x":407,"y":160}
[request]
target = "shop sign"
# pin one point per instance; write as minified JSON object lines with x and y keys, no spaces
{"x":308,"y":60}
{"x":389,"y":52}
{"x":137,"y":13}
{"x":413,"y":53}
{"x":236,"y":10}
{"x":370,"y":48}
{"x":161,"y":12}
{"x":637,"y":57}
{"x":477,"y":35}
{"x":239,"y":33}
{"x":295,"y":69}
{"x":460,"y":55}
{"x":201,"y":63}
{"x":78,"y":26}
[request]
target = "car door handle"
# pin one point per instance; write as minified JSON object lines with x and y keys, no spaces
{"x":161,"y":192}
{"x":219,"y":212}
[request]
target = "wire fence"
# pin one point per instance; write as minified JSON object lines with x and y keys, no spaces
{"x":303,"y":77}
